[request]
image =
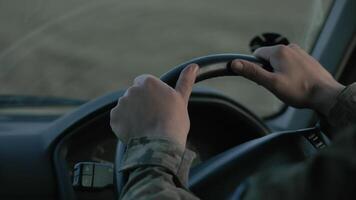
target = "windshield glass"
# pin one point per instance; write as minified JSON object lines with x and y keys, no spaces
{"x":85,"y":48}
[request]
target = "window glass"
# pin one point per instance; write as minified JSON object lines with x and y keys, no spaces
{"x":85,"y":48}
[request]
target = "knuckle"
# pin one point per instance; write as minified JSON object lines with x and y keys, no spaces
{"x":293,"y":45}
{"x":149,"y":80}
{"x":113,"y":118}
{"x":250,"y":71}
{"x":132,"y":91}
{"x":281,"y":51}
{"x":138,"y":78}
{"x":112,"y":123}
{"x":145,"y":80}
{"x":121,"y":102}
{"x":112,"y":112}
{"x":116,"y":123}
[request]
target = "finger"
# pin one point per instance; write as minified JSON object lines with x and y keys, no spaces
{"x":253,"y":72}
{"x":186,"y":81}
{"x":114,"y":120}
{"x":267,"y":53}
{"x":294,"y":46}
{"x":298,"y":49}
{"x":140,"y":80}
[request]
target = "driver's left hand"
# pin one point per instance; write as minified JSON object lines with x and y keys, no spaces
{"x":152,"y":108}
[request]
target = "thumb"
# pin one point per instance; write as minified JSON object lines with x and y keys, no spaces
{"x":253,"y":72}
{"x":186,"y":81}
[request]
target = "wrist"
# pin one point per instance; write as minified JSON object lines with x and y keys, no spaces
{"x":171,"y":135}
{"x":325,"y":96}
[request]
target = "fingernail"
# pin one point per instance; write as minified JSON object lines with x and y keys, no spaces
{"x":236,"y":65}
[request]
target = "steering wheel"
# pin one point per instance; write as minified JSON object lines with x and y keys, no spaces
{"x":219,"y":175}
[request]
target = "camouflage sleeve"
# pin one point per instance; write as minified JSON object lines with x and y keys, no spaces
{"x":328,"y":175}
{"x":157,"y":169}
{"x":343,"y":112}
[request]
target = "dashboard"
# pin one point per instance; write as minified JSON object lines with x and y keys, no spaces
{"x":217,"y":124}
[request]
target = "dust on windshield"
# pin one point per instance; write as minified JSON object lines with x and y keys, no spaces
{"x":85,"y":48}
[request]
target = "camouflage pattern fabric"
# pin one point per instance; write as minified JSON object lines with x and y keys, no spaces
{"x":158,"y":168}
{"x":343,"y":113}
{"x":331,"y":174}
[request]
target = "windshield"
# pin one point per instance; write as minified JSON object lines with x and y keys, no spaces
{"x":82,"y":49}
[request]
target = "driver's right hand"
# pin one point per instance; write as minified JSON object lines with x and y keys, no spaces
{"x":298,"y":79}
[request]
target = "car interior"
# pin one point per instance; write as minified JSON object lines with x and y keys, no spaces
{"x":75,"y":154}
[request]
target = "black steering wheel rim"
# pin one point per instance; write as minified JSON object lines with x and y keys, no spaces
{"x":211,"y":66}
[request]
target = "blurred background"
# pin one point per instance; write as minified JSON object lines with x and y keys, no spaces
{"x":85,"y":48}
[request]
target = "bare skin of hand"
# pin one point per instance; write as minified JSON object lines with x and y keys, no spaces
{"x":152,"y":108}
{"x":299,"y":80}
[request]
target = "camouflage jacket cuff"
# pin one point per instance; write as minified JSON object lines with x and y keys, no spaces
{"x":343,"y":112}
{"x":150,"y":151}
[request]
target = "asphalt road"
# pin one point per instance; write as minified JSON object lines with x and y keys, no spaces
{"x":86,"y":48}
